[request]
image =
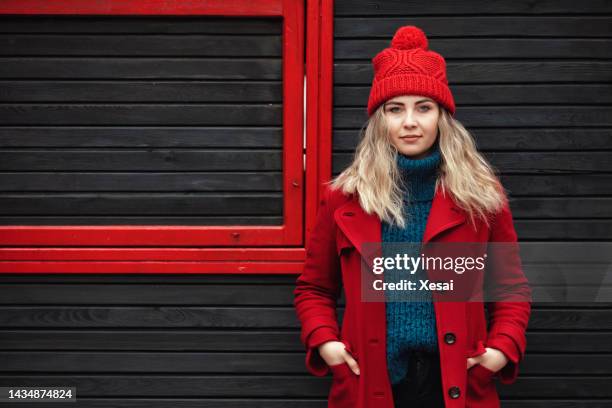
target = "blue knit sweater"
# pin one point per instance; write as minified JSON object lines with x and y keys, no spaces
{"x":411,"y":323}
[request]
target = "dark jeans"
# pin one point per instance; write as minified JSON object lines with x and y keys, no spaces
{"x":422,"y":386}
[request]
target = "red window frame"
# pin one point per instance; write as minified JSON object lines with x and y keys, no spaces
{"x":246,"y":249}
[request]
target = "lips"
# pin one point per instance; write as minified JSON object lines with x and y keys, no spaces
{"x":410,"y":138}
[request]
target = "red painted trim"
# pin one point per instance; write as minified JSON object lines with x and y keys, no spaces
{"x":153,"y":254}
{"x":326,"y":105}
{"x":153,"y":235}
{"x":319,"y":103}
{"x":313,"y":178}
{"x":280,"y":268}
{"x":291,"y":232}
{"x":144,"y":7}
{"x":293,"y":121}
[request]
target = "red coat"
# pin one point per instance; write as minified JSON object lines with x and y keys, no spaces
{"x":333,"y":260}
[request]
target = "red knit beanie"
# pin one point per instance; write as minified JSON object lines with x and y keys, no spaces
{"x":408,"y":68}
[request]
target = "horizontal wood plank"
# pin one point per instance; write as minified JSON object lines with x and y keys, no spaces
{"x":22,"y":362}
{"x":141,"y":136}
{"x":144,"y":204}
{"x":139,"y":24}
{"x":141,"y":68}
{"x":492,"y":72}
{"x":564,"y":207}
{"x":142,"y":114}
{"x":277,"y":386}
{"x":558,"y":185}
{"x":286,"y":340}
{"x":111,"y":91}
{"x":351,"y":49}
{"x":532,"y":26}
{"x":140,"y":160}
{"x":237,"y":318}
{"x":562,"y":230}
{"x":134,"y":45}
{"x":479,"y":7}
{"x":142,"y":182}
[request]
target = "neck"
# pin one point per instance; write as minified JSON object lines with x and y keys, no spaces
{"x":419,"y":175}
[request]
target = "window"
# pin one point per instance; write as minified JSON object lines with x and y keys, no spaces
{"x":183,"y":123}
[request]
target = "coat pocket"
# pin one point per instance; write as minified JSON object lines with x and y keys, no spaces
{"x":481,"y":389}
{"x":343,"y":243}
{"x":482,"y":372}
{"x":343,"y":391}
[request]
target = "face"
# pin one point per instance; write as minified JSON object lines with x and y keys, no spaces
{"x":412,"y":121}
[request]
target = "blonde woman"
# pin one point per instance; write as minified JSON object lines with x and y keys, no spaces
{"x":416,"y":177}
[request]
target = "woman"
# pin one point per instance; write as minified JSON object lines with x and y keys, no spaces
{"x":416,"y":177}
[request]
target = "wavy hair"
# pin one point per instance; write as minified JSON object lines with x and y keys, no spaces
{"x":464,"y":173}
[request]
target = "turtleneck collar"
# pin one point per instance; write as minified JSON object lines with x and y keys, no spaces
{"x":419,"y":175}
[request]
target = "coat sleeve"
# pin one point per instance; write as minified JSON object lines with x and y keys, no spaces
{"x":318,"y":288}
{"x":507,"y":319}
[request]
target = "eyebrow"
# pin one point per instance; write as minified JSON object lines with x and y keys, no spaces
{"x":400,"y":103}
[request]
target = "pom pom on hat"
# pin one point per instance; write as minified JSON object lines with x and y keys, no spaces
{"x":409,"y":37}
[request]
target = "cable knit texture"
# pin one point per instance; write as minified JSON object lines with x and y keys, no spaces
{"x":408,"y":67}
{"x":411,"y":323}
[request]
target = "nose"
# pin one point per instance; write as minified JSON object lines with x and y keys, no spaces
{"x":409,"y":120}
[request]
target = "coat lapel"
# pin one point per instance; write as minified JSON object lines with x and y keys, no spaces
{"x":360,"y":227}
{"x":444,"y":214}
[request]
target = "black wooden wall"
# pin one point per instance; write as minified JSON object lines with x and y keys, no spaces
{"x":532,"y":81}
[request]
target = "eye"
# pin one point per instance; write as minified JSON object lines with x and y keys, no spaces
{"x":393,"y":109}
{"x":425,"y":108}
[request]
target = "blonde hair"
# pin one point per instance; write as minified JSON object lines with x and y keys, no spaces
{"x":464,"y":173}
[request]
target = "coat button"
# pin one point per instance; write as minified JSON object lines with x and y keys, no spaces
{"x":454,"y":392}
{"x":348,"y":213}
{"x":449,"y":338}
{"x":373,"y":342}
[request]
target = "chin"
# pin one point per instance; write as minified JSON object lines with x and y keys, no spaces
{"x":412,"y":152}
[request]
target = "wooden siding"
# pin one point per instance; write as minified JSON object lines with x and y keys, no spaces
{"x":233,"y":341}
{"x":533,"y":82}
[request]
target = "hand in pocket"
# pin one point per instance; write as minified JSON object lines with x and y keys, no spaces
{"x":334,"y":353}
{"x":493,"y":360}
